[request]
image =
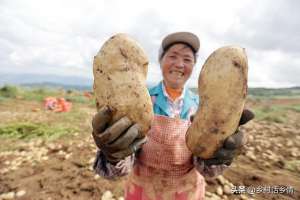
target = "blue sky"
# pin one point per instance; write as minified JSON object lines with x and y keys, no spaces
{"x":54,"y":37}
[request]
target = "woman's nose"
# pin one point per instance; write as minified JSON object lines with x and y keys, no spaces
{"x":179,"y":63}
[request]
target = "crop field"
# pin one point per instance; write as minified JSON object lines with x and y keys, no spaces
{"x":49,"y":155}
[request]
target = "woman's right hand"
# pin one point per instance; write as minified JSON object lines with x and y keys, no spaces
{"x":118,"y":140}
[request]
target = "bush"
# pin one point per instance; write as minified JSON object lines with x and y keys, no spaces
{"x":9,"y":91}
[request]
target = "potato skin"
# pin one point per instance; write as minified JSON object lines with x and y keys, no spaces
{"x":120,"y":70}
{"x":222,"y":90}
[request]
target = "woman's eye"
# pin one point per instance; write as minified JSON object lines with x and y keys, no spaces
{"x":188,"y":60}
{"x":172,"y":56}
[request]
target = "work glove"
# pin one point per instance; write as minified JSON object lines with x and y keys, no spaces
{"x":118,"y":140}
{"x":232,"y":145}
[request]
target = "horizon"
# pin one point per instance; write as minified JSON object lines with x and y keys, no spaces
{"x":90,"y":85}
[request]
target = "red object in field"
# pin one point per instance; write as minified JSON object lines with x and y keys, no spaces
{"x":50,"y":103}
{"x":57,"y":104}
{"x":88,"y":95}
{"x":63,"y":105}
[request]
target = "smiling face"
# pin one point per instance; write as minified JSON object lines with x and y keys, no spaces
{"x":177,"y":65}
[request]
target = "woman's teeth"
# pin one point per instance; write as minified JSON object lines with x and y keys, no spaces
{"x":176,"y":73}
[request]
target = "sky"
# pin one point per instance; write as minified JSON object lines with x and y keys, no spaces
{"x":61,"y":37}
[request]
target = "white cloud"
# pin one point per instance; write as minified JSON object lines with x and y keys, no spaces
{"x":61,"y":37}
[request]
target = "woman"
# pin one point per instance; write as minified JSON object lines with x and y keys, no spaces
{"x":161,"y":166}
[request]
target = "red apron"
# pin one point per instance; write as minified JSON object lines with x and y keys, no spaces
{"x":164,"y":169}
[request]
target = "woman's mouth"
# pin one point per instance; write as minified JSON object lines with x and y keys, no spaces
{"x":177,"y":73}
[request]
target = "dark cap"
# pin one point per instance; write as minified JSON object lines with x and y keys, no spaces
{"x":185,"y":37}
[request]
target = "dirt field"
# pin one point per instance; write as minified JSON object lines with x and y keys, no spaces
{"x":269,"y":168}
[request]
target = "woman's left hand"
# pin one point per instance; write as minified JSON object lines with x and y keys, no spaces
{"x":232,"y":145}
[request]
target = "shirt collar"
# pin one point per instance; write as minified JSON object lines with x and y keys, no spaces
{"x":181,"y":97}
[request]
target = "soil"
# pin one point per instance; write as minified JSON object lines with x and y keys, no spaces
{"x":62,"y":168}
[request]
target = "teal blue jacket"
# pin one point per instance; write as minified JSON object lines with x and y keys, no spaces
{"x":160,"y":106}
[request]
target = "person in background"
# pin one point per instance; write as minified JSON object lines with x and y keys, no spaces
{"x":160,"y":166}
{"x":63,"y":105}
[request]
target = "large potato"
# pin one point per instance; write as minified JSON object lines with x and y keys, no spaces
{"x":120,"y":70}
{"x":222,"y":88}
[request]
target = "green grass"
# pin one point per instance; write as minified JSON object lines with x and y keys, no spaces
{"x":272,"y":113}
{"x":9,"y":91}
{"x":275,"y":113}
{"x":29,"y":130}
{"x":80,"y":99}
{"x":59,"y":124}
{"x":38,"y":94}
{"x":295,"y":108}
{"x":268,"y":93}
{"x":293,"y":165}
{"x":75,"y":116}
{"x":2,"y":99}
{"x":265,"y":93}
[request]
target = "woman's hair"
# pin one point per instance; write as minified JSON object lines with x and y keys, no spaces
{"x":162,"y":51}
